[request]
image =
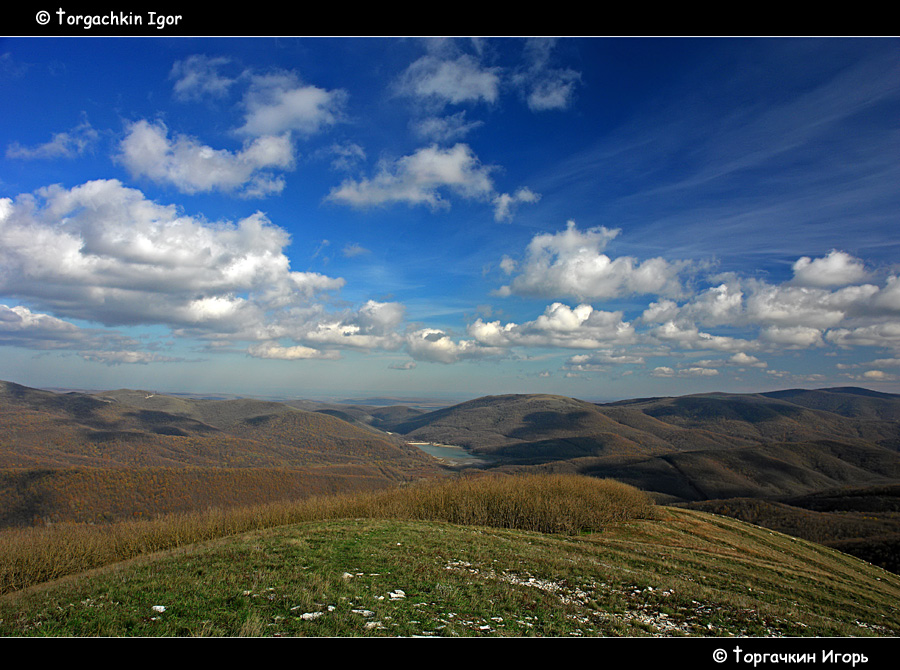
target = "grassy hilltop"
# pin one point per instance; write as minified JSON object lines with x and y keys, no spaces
{"x":484,"y":557}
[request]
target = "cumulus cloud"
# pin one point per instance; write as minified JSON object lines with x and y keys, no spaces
{"x":420,"y":179}
{"x":600,"y":361}
{"x":838,"y":268}
{"x":193,"y":167}
{"x":884,"y":335}
{"x":582,"y":327}
{"x":688,"y":336}
{"x":63,"y":145}
{"x":279,"y":102}
{"x":102,"y":252}
{"x":746,"y":360}
{"x":442,"y":80}
{"x":373,"y":326}
{"x":878,"y":376}
{"x":505,"y":204}
{"x":801,"y":306}
{"x":572,"y":263}
{"x":830,"y":301}
{"x":436,"y":346}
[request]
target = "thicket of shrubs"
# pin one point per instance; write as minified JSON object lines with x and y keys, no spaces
{"x":543,"y":503}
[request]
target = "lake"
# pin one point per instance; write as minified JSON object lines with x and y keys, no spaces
{"x":450,"y":453}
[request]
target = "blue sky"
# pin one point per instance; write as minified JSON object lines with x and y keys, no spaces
{"x":331,"y":217}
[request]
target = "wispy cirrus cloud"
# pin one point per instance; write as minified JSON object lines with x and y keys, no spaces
{"x":69,"y":144}
{"x":200,"y":76}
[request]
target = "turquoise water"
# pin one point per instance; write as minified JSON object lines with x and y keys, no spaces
{"x":449,"y":452}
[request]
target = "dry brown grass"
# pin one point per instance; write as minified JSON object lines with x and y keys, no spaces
{"x":542,"y":503}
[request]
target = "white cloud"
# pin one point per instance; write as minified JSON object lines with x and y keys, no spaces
{"x":792,"y":337}
{"x":886,"y":335}
{"x":801,"y":306}
{"x":559,"y":326}
{"x":599,"y":361}
{"x":665,"y":371}
{"x":456,"y":81}
{"x":127,"y":357}
{"x":291,"y":353}
{"x":353,"y":249}
{"x":688,"y":336}
{"x":505,"y":204}
{"x":838,"y":268}
{"x":19,"y":326}
{"x":878,"y":376}
{"x":193,"y":167}
{"x":746,"y":360}
{"x":373,"y":326}
{"x":346,"y":157}
{"x":445,"y":128}
{"x":420,"y":178}
{"x":888,"y":298}
{"x":572,"y":263}
{"x":278,"y":102}
{"x":104,"y":253}
{"x":436,"y":346}
{"x":199,"y":76}
{"x":546,"y":87}
{"x":63,"y":145}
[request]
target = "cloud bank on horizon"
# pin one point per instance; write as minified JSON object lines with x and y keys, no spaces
{"x":592,"y":217}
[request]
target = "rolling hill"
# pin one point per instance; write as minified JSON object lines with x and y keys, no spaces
{"x":100,"y":456}
{"x":758,"y":457}
{"x":89,"y":457}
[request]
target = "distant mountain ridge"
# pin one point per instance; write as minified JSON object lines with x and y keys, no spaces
{"x":773,"y":458}
{"x":693,"y":447}
{"x":87,"y":457}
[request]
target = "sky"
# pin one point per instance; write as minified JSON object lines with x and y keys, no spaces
{"x":602,"y":218}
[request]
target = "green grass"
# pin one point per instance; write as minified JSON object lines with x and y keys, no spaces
{"x":685,"y":574}
{"x":379,"y":565}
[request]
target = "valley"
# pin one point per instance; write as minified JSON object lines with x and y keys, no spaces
{"x":823,"y":465}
